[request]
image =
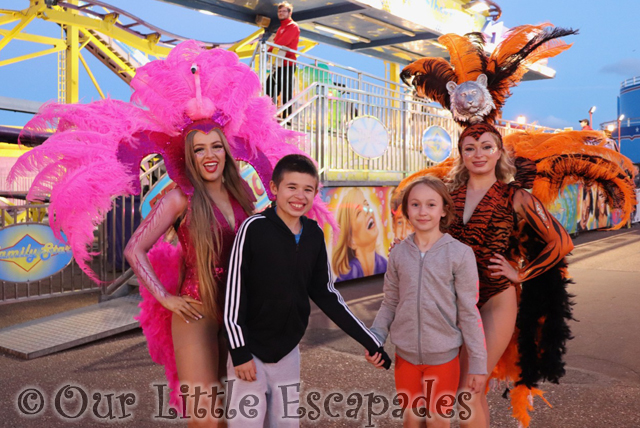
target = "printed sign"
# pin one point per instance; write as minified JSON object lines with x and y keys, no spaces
{"x":159,"y":190}
{"x":29,"y":252}
{"x":368,"y":137}
{"x":436,"y":143}
{"x":580,"y":208}
{"x":250,"y":175}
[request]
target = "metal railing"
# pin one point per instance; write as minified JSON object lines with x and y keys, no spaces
{"x":110,"y":240}
{"x":321,"y":98}
{"x":630,"y":82}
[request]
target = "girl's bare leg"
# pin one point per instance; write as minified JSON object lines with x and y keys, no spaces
{"x":411,"y":420}
{"x":197,"y":358}
{"x":499,"y":320}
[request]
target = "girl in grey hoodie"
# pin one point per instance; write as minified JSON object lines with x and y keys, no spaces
{"x":429,"y":308}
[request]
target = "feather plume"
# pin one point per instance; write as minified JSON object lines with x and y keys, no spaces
{"x":507,"y":64}
{"x":566,"y":158}
{"x":155,"y":319}
{"x":466,"y":58}
{"x":430,"y":76}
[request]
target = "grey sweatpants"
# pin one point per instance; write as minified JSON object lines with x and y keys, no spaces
{"x":276,"y":391}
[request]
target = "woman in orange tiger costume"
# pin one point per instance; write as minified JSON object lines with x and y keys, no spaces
{"x":490,"y":212}
{"x":519,"y":246}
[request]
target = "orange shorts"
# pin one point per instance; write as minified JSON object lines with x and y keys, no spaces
{"x":425,"y":385}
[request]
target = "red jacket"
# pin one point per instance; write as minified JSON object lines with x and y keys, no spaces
{"x":287,"y":35}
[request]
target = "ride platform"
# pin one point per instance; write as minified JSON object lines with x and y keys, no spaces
{"x":69,"y":329}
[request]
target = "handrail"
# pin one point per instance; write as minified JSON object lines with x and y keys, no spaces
{"x":333,"y":64}
{"x":630,"y":82}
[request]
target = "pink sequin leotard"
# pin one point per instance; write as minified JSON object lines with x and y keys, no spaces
{"x":190,"y":285}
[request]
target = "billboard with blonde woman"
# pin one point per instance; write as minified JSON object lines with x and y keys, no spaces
{"x":367,"y":228}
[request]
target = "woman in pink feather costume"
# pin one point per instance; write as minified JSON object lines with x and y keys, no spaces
{"x":200,"y":110}
{"x":208,"y":222}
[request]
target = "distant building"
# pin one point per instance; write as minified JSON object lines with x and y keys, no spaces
{"x":629,"y":105}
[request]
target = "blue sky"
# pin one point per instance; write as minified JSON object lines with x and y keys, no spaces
{"x":588,"y":74}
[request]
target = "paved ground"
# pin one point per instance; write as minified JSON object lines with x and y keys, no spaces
{"x":601,"y":389}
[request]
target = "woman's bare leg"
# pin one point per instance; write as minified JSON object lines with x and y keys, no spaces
{"x":499,"y":321}
{"x":197,"y":357}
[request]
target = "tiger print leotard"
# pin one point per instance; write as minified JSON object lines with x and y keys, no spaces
{"x":487,"y":232}
{"x":492,"y":229}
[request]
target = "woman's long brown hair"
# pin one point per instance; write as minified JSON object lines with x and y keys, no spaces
{"x":204,"y":231}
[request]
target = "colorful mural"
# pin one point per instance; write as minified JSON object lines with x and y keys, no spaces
{"x":366,"y":232}
{"x":580,"y":208}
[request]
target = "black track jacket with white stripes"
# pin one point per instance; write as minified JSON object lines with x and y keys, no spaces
{"x":270,"y":281}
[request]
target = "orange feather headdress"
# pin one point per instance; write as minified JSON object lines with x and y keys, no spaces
{"x":446,"y":82}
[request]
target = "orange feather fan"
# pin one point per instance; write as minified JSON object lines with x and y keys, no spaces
{"x":504,"y":68}
{"x":564,"y":158}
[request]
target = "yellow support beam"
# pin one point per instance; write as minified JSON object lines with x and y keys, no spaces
{"x":91,"y":76}
{"x":72,"y":68}
{"x":306,"y":45}
{"x":9,"y":16}
{"x":34,"y":38}
{"x":17,"y":29}
{"x":147,"y":45}
{"x":31,"y":56}
{"x":394,"y":74}
{"x":246,"y":41}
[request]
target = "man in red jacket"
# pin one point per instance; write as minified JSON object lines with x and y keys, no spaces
{"x":283,"y":71}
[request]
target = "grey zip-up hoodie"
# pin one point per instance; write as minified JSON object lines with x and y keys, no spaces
{"x":429,"y":304}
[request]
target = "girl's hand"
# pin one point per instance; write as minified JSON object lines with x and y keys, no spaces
{"x":182,"y":306}
{"x":395,"y":242}
{"x":503,"y":268}
{"x":476,"y":383}
{"x":376,"y":359}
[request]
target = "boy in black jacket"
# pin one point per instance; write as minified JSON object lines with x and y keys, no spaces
{"x":279,"y":261}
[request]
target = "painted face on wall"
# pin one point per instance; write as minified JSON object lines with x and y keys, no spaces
{"x":401,"y":226}
{"x":364,"y":230}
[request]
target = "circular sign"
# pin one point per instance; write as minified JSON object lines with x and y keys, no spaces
{"x":436,"y":144}
{"x":368,"y":137}
{"x":29,"y":252}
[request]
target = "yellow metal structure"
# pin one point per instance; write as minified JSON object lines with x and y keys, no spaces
{"x":96,"y":27}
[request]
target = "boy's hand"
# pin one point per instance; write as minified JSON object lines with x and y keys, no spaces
{"x":476,"y":383}
{"x":380,"y":359}
{"x":375,"y":359}
{"x":246,"y":371}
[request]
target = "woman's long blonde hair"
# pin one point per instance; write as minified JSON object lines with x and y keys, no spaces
{"x":342,"y":252}
{"x":204,"y":231}
{"x":459,"y":175}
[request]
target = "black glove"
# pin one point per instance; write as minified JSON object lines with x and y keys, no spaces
{"x":385,"y":358}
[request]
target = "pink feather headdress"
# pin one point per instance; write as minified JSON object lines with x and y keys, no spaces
{"x":96,"y":148}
